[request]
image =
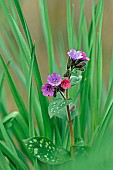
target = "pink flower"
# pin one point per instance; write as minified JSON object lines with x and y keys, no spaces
{"x":75,"y":55}
{"x":65,"y":84}
{"x":48,"y":90}
{"x":54,"y":79}
{"x":84,"y":58}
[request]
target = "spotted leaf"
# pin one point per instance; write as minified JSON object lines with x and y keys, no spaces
{"x":58,"y":107}
{"x":45,"y":151}
{"x":75,"y":79}
{"x":81,"y":148}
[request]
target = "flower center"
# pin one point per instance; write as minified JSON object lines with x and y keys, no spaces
{"x":55,"y":80}
{"x":48,"y":88}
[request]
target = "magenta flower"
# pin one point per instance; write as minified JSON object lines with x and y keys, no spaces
{"x":48,"y":90}
{"x":75,"y":55}
{"x":83,"y":54}
{"x":54,"y":79}
{"x":65,"y":84}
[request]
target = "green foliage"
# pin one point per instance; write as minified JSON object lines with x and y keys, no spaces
{"x":44,"y":150}
{"x":75,"y":79}
{"x":92,"y":119}
{"x":58,"y":107}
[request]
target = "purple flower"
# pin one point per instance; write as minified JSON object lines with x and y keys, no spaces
{"x":83,"y":54}
{"x":48,"y":90}
{"x":75,"y":55}
{"x":54,"y":79}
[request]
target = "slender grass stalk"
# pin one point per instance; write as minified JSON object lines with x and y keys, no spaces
{"x":31,"y":121}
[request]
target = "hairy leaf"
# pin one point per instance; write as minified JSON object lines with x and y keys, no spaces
{"x":58,"y":107}
{"x":44,"y":150}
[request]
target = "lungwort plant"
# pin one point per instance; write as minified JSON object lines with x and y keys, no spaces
{"x":67,"y":122}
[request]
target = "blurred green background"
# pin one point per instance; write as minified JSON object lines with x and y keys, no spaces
{"x":57,"y":17}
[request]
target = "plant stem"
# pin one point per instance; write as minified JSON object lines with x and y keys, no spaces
{"x":62,"y":95}
{"x":72,"y":149}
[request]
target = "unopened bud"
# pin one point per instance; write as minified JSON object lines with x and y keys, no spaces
{"x":72,"y":108}
{"x":69,"y":62}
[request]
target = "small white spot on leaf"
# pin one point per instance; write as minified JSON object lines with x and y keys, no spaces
{"x":40,"y":145}
{"x":49,"y":147}
{"x":38,"y":156}
{"x":34,"y":140}
{"x":45,"y":156}
{"x":35,"y":150}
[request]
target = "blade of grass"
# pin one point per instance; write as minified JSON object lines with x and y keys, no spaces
{"x":13,"y":65}
{"x":12,"y":157}
{"x":24,"y":24}
{"x":31,"y":123}
{"x":99,"y":66}
{"x":7,"y":139}
{"x":47,"y":35}
{"x":61,"y":53}
{"x":19,"y":74}
{"x":37,"y":76}
{"x":2,"y":101}
{"x":43,"y":101}
{"x":111,"y":72}
{"x":69,"y":24}
{"x":14,"y":91}
{"x":21,"y":40}
{"x":3,"y":163}
{"x":80,"y":26}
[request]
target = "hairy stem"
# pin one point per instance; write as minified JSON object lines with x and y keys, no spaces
{"x":62,"y":95}
{"x":71,"y":128}
{"x":72,"y":149}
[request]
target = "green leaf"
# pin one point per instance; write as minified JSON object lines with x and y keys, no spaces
{"x":44,"y":150}
{"x":18,"y":100}
{"x":10,"y":155}
{"x":7,"y":120}
{"x":3,"y":162}
{"x":82,"y":150}
{"x":75,"y":79}
{"x":47,"y":35}
{"x":58,"y":107}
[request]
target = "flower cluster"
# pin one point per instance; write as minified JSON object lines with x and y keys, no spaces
{"x":75,"y":55}
{"x":55,"y":83}
{"x":76,"y":59}
{"x":58,"y":83}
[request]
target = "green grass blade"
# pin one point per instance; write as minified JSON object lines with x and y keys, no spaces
{"x":43,"y":101}
{"x":69,"y":24}
{"x":36,"y":70}
{"x":61,"y":53}
{"x":15,"y":93}
{"x":47,"y":35}
{"x":3,"y":163}
{"x":80,"y":26}
{"x":31,"y":123}
{"x":24,"y":24}
{"x":111,"y":72}
{"x":13,"y":65}
{"x":6,"y":138}
{"x":2,"y":100}
{"x":21,"y":41}
{"x":99,"y":66}
{"x":12,"y":157}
